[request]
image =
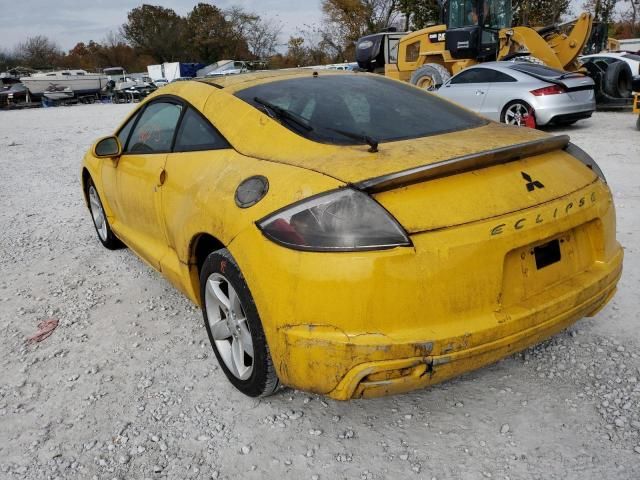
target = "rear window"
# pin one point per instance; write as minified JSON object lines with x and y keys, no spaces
{"x":370,"y":105}
{"x":539,"y":70}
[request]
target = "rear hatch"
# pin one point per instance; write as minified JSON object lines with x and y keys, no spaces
{"x":480,"y":186}
{"x":504,"y":240}
{"x":485,"y":193}
{"x":578,"y":86}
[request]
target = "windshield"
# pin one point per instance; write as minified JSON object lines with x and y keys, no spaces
{"x":365,"y":105}
{"x":488,"y":13}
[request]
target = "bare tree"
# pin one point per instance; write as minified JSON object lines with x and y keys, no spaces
{"x":352,"y":19}
{"x":603,"y":10}
{"x":539,"y":12}
{"x":633,"y":13}
{"x":113,"y":39}
{"x":38,"y":52}
{"x":8,"y":60}
{"x":262,"y":37}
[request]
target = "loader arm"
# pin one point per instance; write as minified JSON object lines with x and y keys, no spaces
{"x":569,"y":46}
{"x":555,"y":48}
{"x":524,"y":39}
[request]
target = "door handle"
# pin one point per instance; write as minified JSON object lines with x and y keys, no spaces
{"x":479,"y":92}
{"x":162,"y":176}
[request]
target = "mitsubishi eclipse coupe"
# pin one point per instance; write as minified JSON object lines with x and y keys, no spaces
{"x":352,"y":235}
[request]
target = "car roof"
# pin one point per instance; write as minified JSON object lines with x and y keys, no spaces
{"x":500,"y":65}
{"x":245,"y":80}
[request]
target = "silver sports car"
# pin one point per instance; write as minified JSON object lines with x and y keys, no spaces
{"x":522,"y":93}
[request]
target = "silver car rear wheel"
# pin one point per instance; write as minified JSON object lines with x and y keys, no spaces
{"x":516,"y":113}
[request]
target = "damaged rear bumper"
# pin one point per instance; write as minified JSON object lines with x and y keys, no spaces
{"x":378,"y":366}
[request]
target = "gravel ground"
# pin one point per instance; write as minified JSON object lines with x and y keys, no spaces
{"x":127,"y":386}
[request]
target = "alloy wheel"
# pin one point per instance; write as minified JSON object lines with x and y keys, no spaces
{"x":516,"y":114}
{"x":97,"y":212}
{"x":229,"y":327}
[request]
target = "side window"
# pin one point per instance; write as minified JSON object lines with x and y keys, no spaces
{"x":500,"y":77}
{"x":154,"y":131}
{"x":466,"y":76}
{"x":123,"y":134}
{"x":393,"y":50}
{"x":195,"y":133}
{"x":412,"y":52}
{"x":474,"y":75}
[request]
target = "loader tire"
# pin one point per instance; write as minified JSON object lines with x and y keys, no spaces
{"x":618,"y":80}
{"x":430,"y":76}
{"x":597,"y":75}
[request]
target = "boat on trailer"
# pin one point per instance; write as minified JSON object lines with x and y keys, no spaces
{"x":80,"y":82}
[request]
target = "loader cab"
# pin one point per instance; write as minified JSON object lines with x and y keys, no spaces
{"x":473,"y":27}
{"x":375,"y":51}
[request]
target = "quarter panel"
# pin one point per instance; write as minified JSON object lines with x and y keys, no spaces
{"x":198,"y":195}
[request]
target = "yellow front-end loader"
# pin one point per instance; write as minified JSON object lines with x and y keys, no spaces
{"x":472,"y":32}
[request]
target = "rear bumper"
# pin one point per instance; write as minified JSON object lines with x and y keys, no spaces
{"x":571,"y":117}
{"x":375,"y":379}
{"x":555,"y":107}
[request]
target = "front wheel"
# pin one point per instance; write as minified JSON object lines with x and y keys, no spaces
{"x":100,"y":221}
{"x":430,"y":77}
{"x":518,"y":113}
{"x":234,"y":327}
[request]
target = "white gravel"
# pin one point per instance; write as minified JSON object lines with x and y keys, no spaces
{"x":127,"y":386}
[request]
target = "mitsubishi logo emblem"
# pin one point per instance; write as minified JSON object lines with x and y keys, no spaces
{"x":531,"y":184}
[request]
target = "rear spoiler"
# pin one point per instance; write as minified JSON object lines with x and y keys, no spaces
{"x":558,"y":80}
{"x":463,"y":164}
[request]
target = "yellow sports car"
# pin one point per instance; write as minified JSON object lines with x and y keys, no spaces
{"x":353,"y":235}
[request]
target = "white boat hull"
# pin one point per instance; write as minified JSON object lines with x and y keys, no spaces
{"x":80,"y":85}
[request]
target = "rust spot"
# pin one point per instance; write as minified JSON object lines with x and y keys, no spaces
{"x":424,"y":348}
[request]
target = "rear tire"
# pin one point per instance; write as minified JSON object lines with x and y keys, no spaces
{"x":514,"y":113}
{"x":234,"y":327}
{"x":618,"y":80}
{"x":430,"y":76}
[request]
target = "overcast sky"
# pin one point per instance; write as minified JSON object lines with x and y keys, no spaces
{"x":68,"y":22}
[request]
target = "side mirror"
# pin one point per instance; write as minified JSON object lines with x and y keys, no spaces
{"x":108,"y":147}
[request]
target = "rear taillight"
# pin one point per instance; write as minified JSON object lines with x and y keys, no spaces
{"x":552,"y":90}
